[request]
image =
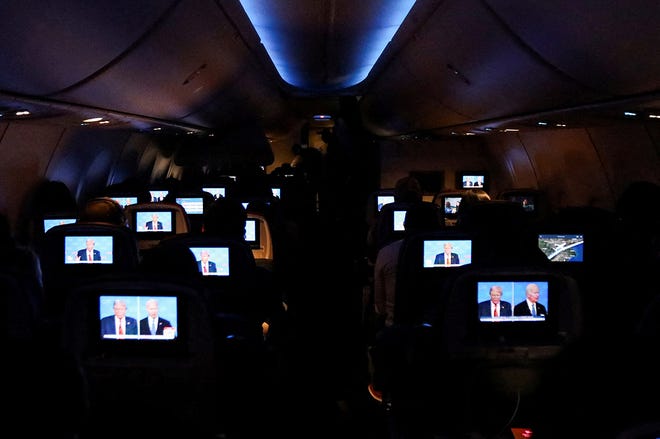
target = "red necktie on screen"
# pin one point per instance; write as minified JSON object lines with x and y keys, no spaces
{"x":495,"y":313}
{"x":120,"y":331}
{"x":89,"y":256}
{"x":206,"y":268}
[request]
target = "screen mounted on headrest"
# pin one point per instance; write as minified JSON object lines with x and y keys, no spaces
{"x":192,"y":205}
{"x":85,"y":249}
{"x":513,"y":300}
{"x":252,"y":235}
{"x":49,"y":223}
{"x":212,"y":261}
{"x":217,"y":192}
{"x":447,"y":252}
{"x":382,"y":200}
{"x":560,"y":247}
{"x":138,"y":317}
{"x":154,"y":221}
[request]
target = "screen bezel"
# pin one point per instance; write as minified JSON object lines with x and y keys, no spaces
{"x":456,"y":199}
{"x":139,"y":346}
{"x":256,"y":242}
{"x":398,"y":220}
{"x":563,"y":236}
{"x":520,"y":198}
{"x":433,"y":246}
{"x":382,"y":200}
{"x":130,"y":199}
{"x":472,"y":174}
{"x":515,"y":331}
{"x":168,"y":309}
{"x":277,"y":192}
{"x":184,"y":201}
{"x":216,"y":191}
{"x":158,"y":192}
{"x":46,"y":223}
{"x":75,"y":242}
{"x":218,"y":254}
{"x":153,"y":234}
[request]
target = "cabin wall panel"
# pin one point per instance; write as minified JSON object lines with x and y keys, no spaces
{"x":398,"y":158}
{"x":513,"y":168}
{"x":568,"y":168}
{"x":628,"y":154}
{"x":26,"y":151}
{"x":129,"y":165}
{"x":85,"y":158}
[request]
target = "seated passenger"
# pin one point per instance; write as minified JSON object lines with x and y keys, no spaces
{"x":102,"y":210}
{"x":407,"y":190}
{"x":422,"y":216}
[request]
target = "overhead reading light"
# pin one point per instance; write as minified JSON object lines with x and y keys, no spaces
{"x":346,"y":49}
{"x":322,"y":117}
{"x":93,"y":119}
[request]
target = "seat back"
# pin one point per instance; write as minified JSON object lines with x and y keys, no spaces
{"x":63,"y":257}
{"x":490,"y":364}
{"x":238,"y":285}
{"x":171,"y":216}
{"x":422,"y":272}
{"x":388,"y":226}
{"x":137,"y":369}
{"x":262,"y":247}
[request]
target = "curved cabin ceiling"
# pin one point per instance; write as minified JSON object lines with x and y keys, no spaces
{"x":454,"y":66}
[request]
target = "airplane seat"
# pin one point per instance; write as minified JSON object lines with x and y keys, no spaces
{"x":422,"y":272}
{"x":194,"y":203}
{"x":49,"y":200}
{"x":375,"y":202}
{"x":262,"y":242}
{"x":388,"y":227}
{"x":20,"y":319}
{"x":578,"y":240}
{"x":534,"y":201}
{"x":114,"y":251}
{"x":102,"y":210}
{"x":238,"y":286}
{"x":491,"y":372}
{"x":635,"y":250}
{"x":21,"y":291}
{"x":173,"y":217}
{"x":247,"y":316}
{"x":170,"y":375}
{"x":451,"y":199}
{"x":503,"y":234}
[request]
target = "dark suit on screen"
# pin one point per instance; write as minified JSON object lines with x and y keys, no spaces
{"x":108,"y":325}
{"x":82,"y":255}
{"x":440,"y":258}
{"x":150,"y":225}
{"x":522,"y":309}
{"x":162,"y":323}
{"x":212,"y":267}
{"x":505,"y":309}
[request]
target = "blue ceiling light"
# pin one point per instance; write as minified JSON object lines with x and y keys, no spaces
{"x":333,"y":48}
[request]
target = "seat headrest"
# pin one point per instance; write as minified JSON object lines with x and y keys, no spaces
{"x":103,"y":210}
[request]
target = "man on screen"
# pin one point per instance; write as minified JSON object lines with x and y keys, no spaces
{"x":495,"y":307}
{"x":204,"y":265}
{"x":89,"y":253}
{"x":119,"y":324}
{"x":153,"y":324}
{"x":447,"y":257}
{"x":531,"y":305}
{"x":154,"y":224}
